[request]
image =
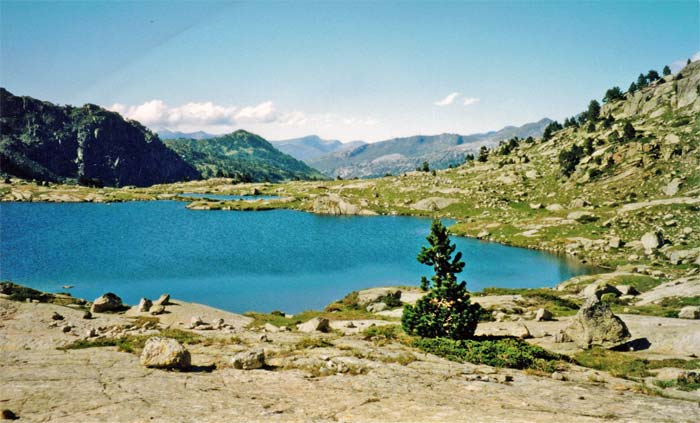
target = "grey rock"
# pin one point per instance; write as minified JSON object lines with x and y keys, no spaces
{"x":157,"y":310}
{"x":627,"y":290}
{"x":377,"y":307}
{"x":145,"y":305}
{"x":163,"y":300}
{"x":271,"y":328}
{"x":598,"y":289}
{"x":107,"y":302}
{"x":56,"y":316}
{"x":582,"y":216}
{"x":319,"y":324}
{"x":652,"y":240}
{"x":249,"y":360}
{"x":689,"y":312}
{"x":165,"y":353}
{"x":543,"y":314}
{"x":615,"y":242}
{"x":672,"y":188}
{"x":596,"y":325}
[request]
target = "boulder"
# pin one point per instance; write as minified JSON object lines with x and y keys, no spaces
{"x":689,"y":312}
{"x":319,"y":324}
{"x":249,"y":360}
{"x":157,"y":310}
{"x":596,"y":325}
{"x":377,"y":307}
{"x":598,"y":289}
{"x":627,"y":290}
{"x":107,"y":302}
{"x":521,"y":331}
{"x":555,"y":207}
{"x":269,"y":327}
{"x":165,"y":353}
{"x":543,"y":314}
{"x":672,"y":188}
{"x":535,"y":206}
{"x":582,"y":216}
{"x":652,"y":240}
{"x":433,"y":203}
{"x":196,"y":321}
{"x":145,"y":305}
{"x":56,"y":316}
{"x":578,"y":203}
{"x":483,"y":234}
{"x":163,"y":300}
{"x":615,"y":242}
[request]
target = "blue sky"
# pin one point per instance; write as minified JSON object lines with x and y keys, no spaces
{"x":370,"y":70}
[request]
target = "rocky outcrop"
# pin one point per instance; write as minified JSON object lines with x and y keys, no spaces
{"x":433,"y":203}
{"x":334,"y":205}
{"x":107,"y":302}
{"x":165,"y":353}
{"x":689,"y":312}
{"x":87,"y":144}
{"x":596,"y":325}
{"x":317,"y":324}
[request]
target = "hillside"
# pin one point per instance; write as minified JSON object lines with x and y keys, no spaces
{"x":166,"y":134}
{"x":242,"y":156}
{"x":43,"y":141}
{"x":400,"y":155}
{"x":312,"y":146}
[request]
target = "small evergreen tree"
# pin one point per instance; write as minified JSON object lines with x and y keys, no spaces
{"x":614,"y":93}
{"x":688,"y":62}
{"x":652,"y":76}
{"x":483,"y":154}
{"x":632,"y":88}
{"x":425,"y":167}
{"x":642,"y":81}
{"x":608,"y":122}
{"x":446,"y":310}
{"x":666,"y":71}
{"x":593,"y":110}
{"x":629,"y":132}
{"x":550,"y":129}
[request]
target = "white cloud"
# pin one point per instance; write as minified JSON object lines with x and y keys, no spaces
{"x":211,"y":117}
{"x":468,"y":101}
{"x":680,"y":64}
{"x":447,"y":100}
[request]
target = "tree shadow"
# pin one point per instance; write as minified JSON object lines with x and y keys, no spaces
{"x":638,"y":344}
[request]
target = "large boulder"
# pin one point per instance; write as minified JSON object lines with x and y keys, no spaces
{"x":690,"y":312}
{"x":652,"y":240}
{"x":165,"y":353}
{"x":145,"y":305}
{"x":249,"y":360}
{"x":596,"y":325}
{"x":317,"y":324}
{"x":163,"y":300}
{"x":543,"y":314}
{"x":598,"y":289}
{"x":672,"y":188}
{"x":107,"y":302}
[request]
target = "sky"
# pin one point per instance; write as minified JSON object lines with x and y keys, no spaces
{"x":342,"y":70}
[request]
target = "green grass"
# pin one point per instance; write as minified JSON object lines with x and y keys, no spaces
{"x":641,"y":283}
{"x":689,"y":382}
{"x":134,"y":343}
{"x":496,"y":352}
{"x":625,"y":365}
{"x":308,"y":343}
{"x":540,"y":297}
{"x":667,"y":307}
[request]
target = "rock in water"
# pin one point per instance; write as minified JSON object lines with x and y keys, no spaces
{"x":316,"y":324}
{"x":145,"y":305}
{"x":165,"y":353}
{"x":249,"y":360}
{"x":596,"y":325}
{"x":107,"y":302}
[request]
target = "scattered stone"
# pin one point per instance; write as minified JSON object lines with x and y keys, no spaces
{"x":672,"y":188}
{"x":165,"y":353}
{"x":263,"y":338}
{"x":66,"y":328}
{"x":56,"y":316}
{"x":555,"y":207}
{"x":483,"y":234}
{"x":615,"y":242}
{"x":521,"y":331}
{"x":582,"y":216}
{"x":145,"y":305}
{"x":157,"y":310}
{"x":269,"y":327}
{"x":218,"y":324}
{"x":627,"y":290}
{"x":558,"y":376}
{"x":196,"y":321}
{"x":652,"y":240}
{"x":535,"y":206}
{"x":377,"y":307}
{"x":543,"y":314}
{"x":319,"y":324}
{"x":598,"y":289}
{"x":249,"y":360}
{"x":504,"y":378}
{"x":579,"y":203}
{"x":87,"y":315}
{"x":107,"y":302}
{"x":596,"y":325}
{"x":689,"y":312}
{"x":350,"y":325}
{"x":163,"y":300}
{"x":91,"y":333}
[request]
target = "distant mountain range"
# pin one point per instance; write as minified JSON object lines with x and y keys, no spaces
{"x":312,"y":146}
{"x":43,"y":141}
{"x":243,"y":156}
{"x":399,"y":155}
{"x":165,"y":134}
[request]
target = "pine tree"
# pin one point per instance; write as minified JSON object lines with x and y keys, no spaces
{"x":652,"y":76}
{"x":642,"y":81}
{"x":614,"y":93}
{"x":446,"y":310}
{"x":666,"y":71}
{"x":483,"y":154}
{"x":632,"y":88}
{"x":593,"y":110}
{"x":425,"y":167}
{"x":629,"y":132}
{"x":688,"y":62}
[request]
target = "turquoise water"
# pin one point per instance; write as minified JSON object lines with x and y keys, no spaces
{"x":229,"y":197}
{"x":238,"y":261}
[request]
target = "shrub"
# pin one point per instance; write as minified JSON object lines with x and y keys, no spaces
{"x":629,"y":132}
{"x":496,"y":352}
{"x":446,"y":310}
{"x":569,"y":159}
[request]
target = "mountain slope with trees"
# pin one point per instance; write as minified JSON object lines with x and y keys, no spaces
{"x":43,"y":141}
{"x":312,"y":146}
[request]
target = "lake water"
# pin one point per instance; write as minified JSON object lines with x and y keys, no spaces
{"x":229,"y":197}
{"x":238,"y":261}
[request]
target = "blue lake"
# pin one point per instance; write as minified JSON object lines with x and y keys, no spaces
{"x":238,"y":261}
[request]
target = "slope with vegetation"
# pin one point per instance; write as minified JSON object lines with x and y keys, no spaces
{"x":399,"y":155}
{"x":311,"y":147}
{"x":242,"y":156}
{"x":40,"y":140}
